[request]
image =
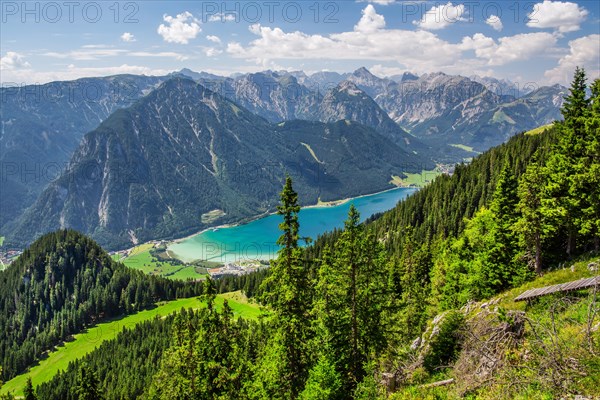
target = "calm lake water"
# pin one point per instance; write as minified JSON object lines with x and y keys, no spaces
{"x":257,"y":240}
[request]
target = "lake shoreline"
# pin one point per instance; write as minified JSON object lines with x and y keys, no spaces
{"x":322,"y":207}
{"x":325,"y":204}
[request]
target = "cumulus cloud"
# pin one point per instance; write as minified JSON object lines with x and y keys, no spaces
{"x":421,"y":49}
{"x":128,"y":37}
{"x":214,"y":39}
{"x":180,"y":29}
{"x":370,"y":21}
{"x":441,"y":16}
{"x":495,"y":22}
{"x":562,"y":16}
{"x":212,"y":51}
{"x":13,"y":61}
{"x":583,"y":52}
{"x":509,"y":48}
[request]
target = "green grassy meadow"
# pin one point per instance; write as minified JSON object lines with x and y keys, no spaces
{"x":86,"y":342}
{"x":416,"y":180}
{"x":141,"y":259}
{"x":539,"y":130}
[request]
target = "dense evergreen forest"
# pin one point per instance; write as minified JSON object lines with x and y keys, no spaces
{"x":62,"y":283}
{"x":345,"y":311}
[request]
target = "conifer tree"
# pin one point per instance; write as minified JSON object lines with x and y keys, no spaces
{"x":349,"y":301}
{"x":504,"y":207}
{"x":576,"y":103}
{"x":28,"y":392}
{"x":87,"y":386}
{"x":563,"y":194}
{"x":288,"y":297}
{"x":533,"y":225}
{"x":589,"y":181}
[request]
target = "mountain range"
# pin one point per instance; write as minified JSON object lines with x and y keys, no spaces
{"x":155,"y":168}
{"x":105,"y":148}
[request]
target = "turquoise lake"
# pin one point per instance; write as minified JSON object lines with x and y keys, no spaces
{"x":257,"y":240}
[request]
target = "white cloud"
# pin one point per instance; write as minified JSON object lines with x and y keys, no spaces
{"x":223,"y":17}
{"x":583,"y":52}
{"x":384,"y":71}
{"x":180,"y":29}
{"x":74,"y":72}
{"x":128,"y":37}
{"x":212,"y":51}
{"x":370,"y":21}
{"x":495,"y":22}
{"x":87,"y":53}
{"x":441,"y":16}
{"x":562,"y":16}
{"x":421,"y":50}
{"x":94,"y":52}
{"x":13,"y":61}
{"x":161,"y":54}
{"x":214,"y":39}
{"x":510,"y":48}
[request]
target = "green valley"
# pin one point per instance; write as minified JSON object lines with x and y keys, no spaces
{"x":84,"y":343}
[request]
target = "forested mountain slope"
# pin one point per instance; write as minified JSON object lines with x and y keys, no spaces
{"x":62,"y":283}
{"x":42,"y":125}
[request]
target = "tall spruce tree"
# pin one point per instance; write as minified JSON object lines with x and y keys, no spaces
{"x":589,"y":181}
{"x":349,"y":302}
{"x":533,"y":225}
{"x":287,"y":292}
{"x":576,"y":103}
{"x":563,"y":195}
{"x":29,"y":392}
{"x":504,"y":207}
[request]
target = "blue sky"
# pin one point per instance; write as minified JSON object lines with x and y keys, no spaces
{"x":539,"y":42}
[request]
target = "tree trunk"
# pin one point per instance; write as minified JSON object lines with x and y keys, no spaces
{"x":538,"y":255}
{"x":570,"y":242}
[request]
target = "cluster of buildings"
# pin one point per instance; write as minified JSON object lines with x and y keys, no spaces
{"x":8,"y":256}
{"x":233,"y":269}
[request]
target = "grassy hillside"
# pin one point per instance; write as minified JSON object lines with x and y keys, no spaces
{"x":141,"y":258}
{"x":516,"y":350}
{"x":86,"y":342}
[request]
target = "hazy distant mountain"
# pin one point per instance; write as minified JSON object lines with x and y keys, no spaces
{"x":503,"y":87}
{"x":152,"y":170}
{"x":405,"y":77}
{"x":41,"y":126}
{"x":437,"y":108}
{"x":324,"y":81}
{"x":443,"y":109}
{"x":197,"y":75}
{"x":274,"y":96}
